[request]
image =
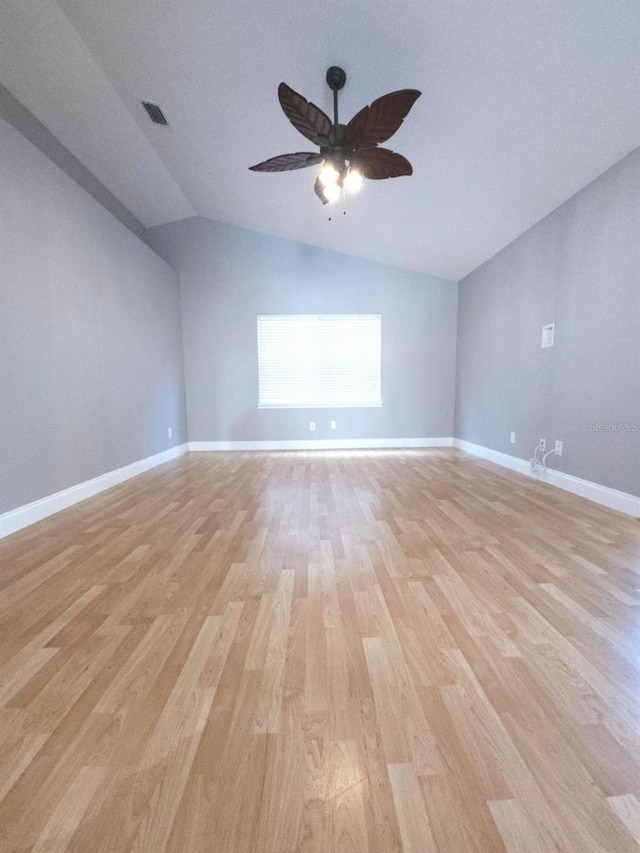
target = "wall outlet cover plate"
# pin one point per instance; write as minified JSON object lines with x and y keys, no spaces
{"x":548,"y":333}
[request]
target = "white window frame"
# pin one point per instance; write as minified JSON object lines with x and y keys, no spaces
{"x":285,"y":365}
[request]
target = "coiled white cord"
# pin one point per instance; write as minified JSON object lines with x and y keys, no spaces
{"x":540,"y":464}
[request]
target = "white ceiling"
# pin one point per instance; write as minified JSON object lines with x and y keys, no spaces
{"x":524,"y":103}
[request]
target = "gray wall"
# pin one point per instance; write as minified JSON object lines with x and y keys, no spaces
{"x":229,"y":275}
{"x":580,"y":269}
{"x":91,"y":370}
{"x":21,"y":119}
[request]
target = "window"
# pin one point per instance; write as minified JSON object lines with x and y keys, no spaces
{"x":311,"y":360}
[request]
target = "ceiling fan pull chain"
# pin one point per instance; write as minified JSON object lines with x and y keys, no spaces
{"x":344,"y":202}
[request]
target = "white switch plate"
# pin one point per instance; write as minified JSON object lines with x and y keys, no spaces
{"x":512,"y":437}
{"x":548,"y":333}
{"x":333,"y":424}
{"x":312,"y":426}
{"x":558,"y":448}
{"x":170,"y":432}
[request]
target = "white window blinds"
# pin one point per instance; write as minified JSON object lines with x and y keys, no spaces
{"x":311,"y":360}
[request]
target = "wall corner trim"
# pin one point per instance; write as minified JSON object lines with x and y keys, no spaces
{"x":23,"y":516}
{"x":603,"y":495}
{"x":321,"y":444}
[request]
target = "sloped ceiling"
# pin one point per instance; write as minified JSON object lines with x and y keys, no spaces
{"x":524,"y":103}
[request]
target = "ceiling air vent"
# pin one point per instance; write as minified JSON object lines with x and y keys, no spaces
{"x":155,"y":113}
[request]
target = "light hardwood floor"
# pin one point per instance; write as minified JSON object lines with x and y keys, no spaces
{"x":279,"y":652}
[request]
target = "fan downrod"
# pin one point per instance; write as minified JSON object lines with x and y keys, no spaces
{"x":336,"y":78}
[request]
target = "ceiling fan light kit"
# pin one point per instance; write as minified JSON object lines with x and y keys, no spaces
{"x":348,"y":153}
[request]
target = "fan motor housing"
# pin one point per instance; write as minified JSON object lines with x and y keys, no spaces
{"x":337,"y":136}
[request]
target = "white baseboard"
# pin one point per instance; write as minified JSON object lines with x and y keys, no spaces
{"x":611,"y":498}
{"x":321,"y":444}
{"x":23,"y":516}
{"x":512,"y":462}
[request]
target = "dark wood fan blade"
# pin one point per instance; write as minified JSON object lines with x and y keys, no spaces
{"x":287,"y":162}
{"x":308,"y":119}
{"x":319,"y":191}
{"x":376,"y":164}
{"x":379,"y":121}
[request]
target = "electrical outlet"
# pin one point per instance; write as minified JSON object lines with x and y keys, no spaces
{"x":333,"y":424}
{"x":312,"y":426}
{"x":558,"y":448}
{"x":548,"y":333}
{"x":542,"y":444}
{"x":170,"y":432}
{"x":512,"y":437}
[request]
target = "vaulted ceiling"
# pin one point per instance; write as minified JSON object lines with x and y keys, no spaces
{"x":524,"y":103}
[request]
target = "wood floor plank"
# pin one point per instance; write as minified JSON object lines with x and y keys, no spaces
{"x":627,"y":808}
{"x":59,"y":829}
{"x":517,"y":829}
{"x":415,"y":828}
{"x":322,"y":652}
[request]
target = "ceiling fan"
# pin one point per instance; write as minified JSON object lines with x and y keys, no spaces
{"x":348,"y":153}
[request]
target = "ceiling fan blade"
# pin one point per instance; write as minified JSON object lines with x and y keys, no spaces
{"x":287,"y":162}
{"x":308,"y":119}
{"x":376,"y":164}
{"x":319,"y":191}
{"x":379,"y":121}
